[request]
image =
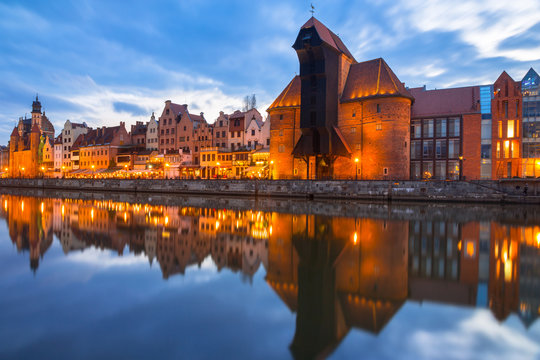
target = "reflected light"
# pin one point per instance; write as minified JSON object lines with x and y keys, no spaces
{"x":5,"y":205}
{"x":355,"y":238}
{"x":22,"y":206}
{"x":217,"y":225}
{"x":92,"y":214}
{"x":538,"y":239}
{"x":42,"y":207}
{"x":271,"y":232}
{"x":166,"y":220}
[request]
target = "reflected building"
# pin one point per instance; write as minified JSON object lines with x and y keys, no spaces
{"x":335,"y":273}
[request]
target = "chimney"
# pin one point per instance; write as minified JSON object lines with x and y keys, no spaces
{"x":122,"y":124}
{"x":184,"y":105}
{"x":167,"y":102}
{"x":202,"y":114}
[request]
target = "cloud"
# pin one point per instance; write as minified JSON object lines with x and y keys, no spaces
{"x":484,"y":25}
{"x":106,"y":259}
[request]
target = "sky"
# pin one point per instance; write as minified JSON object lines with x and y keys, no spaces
{"x":108,"y":61}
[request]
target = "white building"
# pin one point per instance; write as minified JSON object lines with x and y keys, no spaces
{"x":152,"y":134}
{"x":70,"y":133}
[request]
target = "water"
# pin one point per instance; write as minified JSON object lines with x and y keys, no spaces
{"x":120,"y":276}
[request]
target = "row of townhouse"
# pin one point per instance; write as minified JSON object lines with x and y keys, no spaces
{"x":175,"y":140}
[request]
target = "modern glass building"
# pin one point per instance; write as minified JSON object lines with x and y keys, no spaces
{"x":530,"y":86}
{"x":486,"y":94}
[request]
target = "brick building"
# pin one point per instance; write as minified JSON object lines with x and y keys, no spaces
{"x":98,"y":148}
{"x":138,"y":134}
{"x":26,"y":143}
{"x":339,"y":118}
{"x":506,"y":127}
{"x":445,"y":133}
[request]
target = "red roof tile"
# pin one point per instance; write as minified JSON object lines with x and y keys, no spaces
{"x":454,"y":101}
{"x":290,"y":96}
{"x":370,"y":79}
{"x":15,"y":132}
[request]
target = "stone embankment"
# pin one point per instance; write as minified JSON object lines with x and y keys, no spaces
{"x":506,"y":191}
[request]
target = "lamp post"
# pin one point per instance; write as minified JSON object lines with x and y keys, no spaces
{"x":218,"y":169}
{"x":271,"y":172}
{"x":43,"y":171}
{"x":93,"y":167}
{"x":166,"y":168}
{"x":356,"y":168}
{"x":63,"y":171}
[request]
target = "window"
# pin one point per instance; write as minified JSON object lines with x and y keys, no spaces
{"x":252,"y":132}
{"x":353,"y":130}
{"x":416,"y":129}
{"x":485,"y":151}
{"x":428,"y":128}
{"x":498,"y":155}
{"x":268,"y":141}
{"x":295,"y":172}
{"x":505,"y":106}
{"x":232,"y":134}
{"x":281,"y":117}
{"x":223,"y":134}
{"x":453,"y":148}
{"x":507,"y":149}
{"x":281,"y":148}
{"x":378,"y":108}
{"x":440,"y":128}
{"x":378,"y":126}
{"x":167,"y":112}
{"x":486,"y":129}
{"x":440,"y":170}
{"x":510,"y":129}
{"x":440,"y":149}
{"x":385,"y":171}
{"x":280,"y":132}
{"x":427,"y":151}
{"x":453,"y":127}
{"x":172,"y":131}
{"x":416,"y":150}
{"x":354,"y":113}
{"x":514,"y":149}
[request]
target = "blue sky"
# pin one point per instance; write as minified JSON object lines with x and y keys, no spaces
{"x":106,"y":61}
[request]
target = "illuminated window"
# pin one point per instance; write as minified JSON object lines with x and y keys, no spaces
{"x":507,"y":149}
{"x":353,"y":130}
{"x":295,"y":171}
{"x":500,"y":129}
{"x":378,"y":126}
{"x":510,"y":129}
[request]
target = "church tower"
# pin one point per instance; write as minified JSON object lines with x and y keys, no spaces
{"x":36,"y":112}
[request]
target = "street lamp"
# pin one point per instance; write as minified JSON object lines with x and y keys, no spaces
{"x":271,"y":166}
{"x":218,"y":164}
{"x":43,"y":171}
{"x":93,"y":167}
{"x":356,"y":168}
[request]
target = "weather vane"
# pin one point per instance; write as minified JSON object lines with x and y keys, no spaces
{"x":312,"y":11}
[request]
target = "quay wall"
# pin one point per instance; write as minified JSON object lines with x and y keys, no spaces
{"x":511,"y":191}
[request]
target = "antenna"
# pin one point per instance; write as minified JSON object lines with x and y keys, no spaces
{"x":312,"y":11}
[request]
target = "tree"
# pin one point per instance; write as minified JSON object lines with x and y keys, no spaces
{"x":250,"y":102}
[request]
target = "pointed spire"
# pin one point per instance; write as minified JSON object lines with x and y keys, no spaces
{"x":15,"y":132}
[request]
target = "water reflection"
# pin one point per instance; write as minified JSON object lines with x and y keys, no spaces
{"x":335,"y":273}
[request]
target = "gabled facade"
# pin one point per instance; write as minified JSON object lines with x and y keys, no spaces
{"x":221,"y":131}
{"x":138,"y":134}
{"x":152,"y":134}
{"x":98,"y":148}
{"x":70,"y":133}
{"x":506,"y":127}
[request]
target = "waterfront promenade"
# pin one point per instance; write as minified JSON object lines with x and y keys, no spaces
{"x":504,"y":191}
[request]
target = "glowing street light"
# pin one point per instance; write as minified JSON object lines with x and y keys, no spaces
{"x":356,"y":169}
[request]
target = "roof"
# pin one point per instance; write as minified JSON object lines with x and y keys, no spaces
{"x":454,"y":101}
{"x":289,"y":97}
{"x":58,"y":139}
{"x":99,"y":136}
{"x":328,"y":36}
{"x":183,"y":110}
{"x":371,"y":79}
{"x":46,"y":124}
{"x":35,"y":128}
{"x":139,"y":129}
{"x":15,"y":132}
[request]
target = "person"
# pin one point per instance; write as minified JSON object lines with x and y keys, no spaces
{"x":526,"y":189}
